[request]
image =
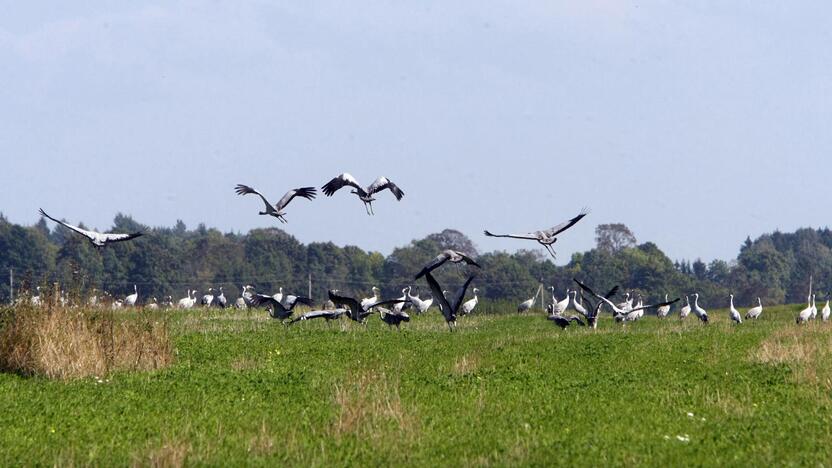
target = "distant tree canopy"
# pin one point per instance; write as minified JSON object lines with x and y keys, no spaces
{"x":613,"y":238}
{"x":168,"y":261}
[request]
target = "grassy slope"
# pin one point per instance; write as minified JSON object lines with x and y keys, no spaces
{"x":505,"y":389}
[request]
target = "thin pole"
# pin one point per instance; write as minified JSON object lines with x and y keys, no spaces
{"x":309,"y":295}
{"x":11,"y":285}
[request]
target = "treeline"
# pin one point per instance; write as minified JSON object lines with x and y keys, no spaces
{"x":169,"y":261}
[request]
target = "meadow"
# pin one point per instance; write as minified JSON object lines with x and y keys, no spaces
{"x":505,"y":389}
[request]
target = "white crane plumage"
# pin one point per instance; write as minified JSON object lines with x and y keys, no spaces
{"x":132,"y":298}
{"x":526,"y":305}
{"x":559,"y":307}
{"x":367,"y":302}
{"x":207,"y":299}
{"x":806,"y":314}
{"x":663,"y":311}
{"x":421,"y":305}
{"x":469,"y":305}
{"x":365,"y":194}
{"x":277,"y":210}
{"x":578,"y":306}
{"x":814,"y":308}
{"x":754,"y":312}
{"x":734,"y":314}
{"x":398,"y":308}
{"x":615,"y":309}
{"x":700,"y":312}
{"x":685,"y":310}
{"x":824,"y":314}
{"x":36,"y":300}
{"x":546,"y":237}
{"x":97,"y":239}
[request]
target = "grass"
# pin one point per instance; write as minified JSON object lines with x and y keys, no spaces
{"x":504,"y":390}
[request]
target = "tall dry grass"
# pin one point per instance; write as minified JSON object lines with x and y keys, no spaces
{"x":65,"y":343}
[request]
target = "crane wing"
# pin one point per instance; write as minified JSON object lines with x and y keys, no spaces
{"x":384,"y":183}
{"x":528,"y":236}
{"x":245,"y":190}
{"x":661,"y":304}
{"x":88,"y":234}
{"x":555,"y":230}
{"x":603,"y":298}
{"x":120,"y":237}
{"x":349,"y":302}
{"x":303,"y":192}
{"x":434,"y":264}
{"x":262,"y":300}
{"x":467,"y":259}
{"x":436,"y":292}
{"x":460,"y":293}
{"x":339,"y":182}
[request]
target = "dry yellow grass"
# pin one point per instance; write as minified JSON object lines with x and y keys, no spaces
{"x":74,"y":343}
{"x":370,"y":407}
{"x":263,"y":443}
{"x":465,"y":365}
{"x":170,"y":454}
{"x":805,"y":350}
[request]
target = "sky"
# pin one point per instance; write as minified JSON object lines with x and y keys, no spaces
{"x":697,"y":124}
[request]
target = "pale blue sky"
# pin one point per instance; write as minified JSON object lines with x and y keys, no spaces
{"x":695,"y":123}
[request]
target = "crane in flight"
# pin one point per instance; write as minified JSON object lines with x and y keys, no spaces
{"x":97,"y":239}
{"x":364,"y":194}
{"x":546,"y":237}
{"x":277,"y":210}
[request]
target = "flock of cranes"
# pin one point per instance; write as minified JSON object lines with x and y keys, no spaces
{"x":587,"y":303}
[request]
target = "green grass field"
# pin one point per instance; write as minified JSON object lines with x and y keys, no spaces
{"x":504,"y":390}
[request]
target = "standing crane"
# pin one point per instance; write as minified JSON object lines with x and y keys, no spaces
{"x":734,"y":314}
{"x":754,"y":312}
{"x":526,"y":305}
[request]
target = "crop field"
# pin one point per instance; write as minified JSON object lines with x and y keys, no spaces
{"x":503,"y":390}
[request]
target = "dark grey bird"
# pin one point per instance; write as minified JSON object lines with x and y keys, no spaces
{"x":355,"y":310}
{"x":449,"y":309}
{"x":564,"y":322}
{"x":97,"y":239}
{"x":618,"y":313}
{"x":392,"y":318}
{"x":591,"y":315}
{"x":277,"y":210}
{"x":454,"y":256}
{"x":365,"y":194}
{"x":329,"y":315}
{"x":277,"y":309}
{"x":220,"y":300}
{"x":546,"y":237}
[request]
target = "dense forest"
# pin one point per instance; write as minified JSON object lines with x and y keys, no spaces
{"x":169,"y":261}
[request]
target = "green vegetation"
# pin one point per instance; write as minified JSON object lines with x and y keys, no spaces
{"x":504,"y":390}
{"x":169,"y":261}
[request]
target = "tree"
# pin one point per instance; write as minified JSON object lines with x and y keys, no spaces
{"x":613,"y":238}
